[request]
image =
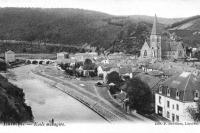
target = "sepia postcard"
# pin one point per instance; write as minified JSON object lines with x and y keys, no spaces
{"x":99,"y":65}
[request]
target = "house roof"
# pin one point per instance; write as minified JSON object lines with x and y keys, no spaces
{"x":125,"y":70}
{"x":9,"y":52}
{"x":155,"y":73}
{"x":100,"y":59}
{"x":151,"y":81}
{"x":62,"y":53}
{"x":186,"y":83}
{"x":146,"y":44}
{"x":106,"y":68}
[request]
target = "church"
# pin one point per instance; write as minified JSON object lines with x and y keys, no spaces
{"x":161,"y":46}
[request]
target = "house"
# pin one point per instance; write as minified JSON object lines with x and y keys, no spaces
{"x":100,"y":71}
{"x":62,"y":55}
{"x":105,"y":70}
{"x":9,"y":56}
{"x":86,"y":73}
{"x":83,"y":56}
{"x":176,"y":95}
{"x":125,"y":71}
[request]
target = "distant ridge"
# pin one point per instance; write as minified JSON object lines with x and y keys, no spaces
{"x":70,"y":26}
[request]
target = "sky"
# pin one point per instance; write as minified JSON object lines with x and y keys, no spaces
{"x":163,"y":8}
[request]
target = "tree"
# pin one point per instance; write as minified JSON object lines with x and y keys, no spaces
{"x":114,"y":77}
{"x":88,"y":62}
{"x":195,"y":113}
{"x":139,"y":95}
{"x":88,"y":65}
{"x":197,"y":55}
{"x":3,"y":66}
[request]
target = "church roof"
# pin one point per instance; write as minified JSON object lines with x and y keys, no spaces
{"x":146,"y":44}
{"x":174,"y":45}
{"x":155,"y":29}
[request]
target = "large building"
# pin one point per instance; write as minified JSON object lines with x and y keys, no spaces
{"x":176,"y":96}
{"x":9,"y":56}
{"x":161,"y":46}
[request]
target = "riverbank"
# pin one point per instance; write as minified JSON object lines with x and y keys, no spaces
{"x":13,"y":108}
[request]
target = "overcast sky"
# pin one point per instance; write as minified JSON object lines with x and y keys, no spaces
{"x":163,"y":8}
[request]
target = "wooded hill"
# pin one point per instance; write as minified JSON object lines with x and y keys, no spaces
{"x":189,"y":30}
{"x":76,"y":27}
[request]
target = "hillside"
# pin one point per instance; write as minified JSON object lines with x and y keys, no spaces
{"x":67,"y":26}
{"x":70,"y":26}
{"x":188,"y":29}
{"x":12,"y":104}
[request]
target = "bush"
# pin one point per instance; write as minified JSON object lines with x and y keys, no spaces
{"x":114,"y":77}
{"x":3,"y":66}
{"x":114,"y":89}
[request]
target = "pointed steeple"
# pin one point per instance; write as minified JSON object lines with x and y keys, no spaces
{"x":155,"y":30}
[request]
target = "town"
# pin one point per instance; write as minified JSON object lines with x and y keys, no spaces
{"x":159,"y":83}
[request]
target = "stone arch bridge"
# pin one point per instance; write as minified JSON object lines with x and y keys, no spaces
{"x":39,"y":61}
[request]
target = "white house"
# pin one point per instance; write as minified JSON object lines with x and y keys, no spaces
{"x":62,"y":55}
{"x":126,"y":71}
{"x":176,"y":95}
{"x":9,"y":56}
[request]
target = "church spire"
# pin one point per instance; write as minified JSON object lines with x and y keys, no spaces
{"x":155,"y":30}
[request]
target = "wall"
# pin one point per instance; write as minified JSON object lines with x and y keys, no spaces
{"x":182,"y":112}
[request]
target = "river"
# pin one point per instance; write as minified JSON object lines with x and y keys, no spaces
{"x":47,"y":102}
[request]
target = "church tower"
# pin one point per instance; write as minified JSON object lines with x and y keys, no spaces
{"x":155,"y":40}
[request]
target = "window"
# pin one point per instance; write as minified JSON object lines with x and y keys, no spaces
{"x":173,"y":106}
{"x":196,"y":95}
{"x":168,"y":92}
{"x":160,"y":89}
{"x":168,"y":104}
{"x":159,"y":99}
{"x":177,"y":95}
{"x":168,"y":114}
{"x":177,"y":107}
{"x":154,"y":54}
{"x":177,"y":118}
{"x":145,"y":53}
{"x":173,"y":117}
{"x":180,"y":53}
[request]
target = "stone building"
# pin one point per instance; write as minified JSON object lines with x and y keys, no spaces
{"x":160,"y":46}
{"x":176,"y":96}
{"x":9,"y":56}
{"x":62,"y":55}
